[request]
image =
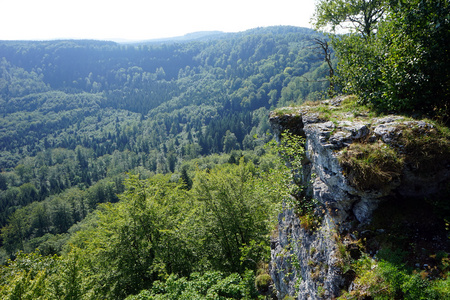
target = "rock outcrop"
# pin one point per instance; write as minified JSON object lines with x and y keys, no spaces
{"x":305,"y":263}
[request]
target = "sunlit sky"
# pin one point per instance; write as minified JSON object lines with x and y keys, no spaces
{"x":143,"y":19}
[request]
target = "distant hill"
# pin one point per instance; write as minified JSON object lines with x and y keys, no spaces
{"x":194,"y":36}
{"x":214,"y":35}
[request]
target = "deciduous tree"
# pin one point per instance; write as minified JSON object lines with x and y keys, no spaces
{"x":363,"y":15}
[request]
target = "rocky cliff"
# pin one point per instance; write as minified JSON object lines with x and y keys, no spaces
{"x":354,"y":162}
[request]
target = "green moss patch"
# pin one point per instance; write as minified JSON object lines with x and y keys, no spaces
{"x":370,"y":166}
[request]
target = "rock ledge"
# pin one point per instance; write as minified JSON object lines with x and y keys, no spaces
{"x":304,"y":264}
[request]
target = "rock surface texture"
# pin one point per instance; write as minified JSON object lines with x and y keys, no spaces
{"x":305,"y":263}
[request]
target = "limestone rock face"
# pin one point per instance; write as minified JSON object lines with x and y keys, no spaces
{"x":305,"y":263}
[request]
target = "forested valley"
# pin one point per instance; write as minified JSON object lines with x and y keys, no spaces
{"x":143,"y":167}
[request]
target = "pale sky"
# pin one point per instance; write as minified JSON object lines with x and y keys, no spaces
{"x":143,"y":19}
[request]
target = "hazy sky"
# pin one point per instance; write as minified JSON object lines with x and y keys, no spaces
{"x":143,"y":19}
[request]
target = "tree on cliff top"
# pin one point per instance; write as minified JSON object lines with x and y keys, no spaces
{"x":363,"y":15}
{"x":398,"y":58}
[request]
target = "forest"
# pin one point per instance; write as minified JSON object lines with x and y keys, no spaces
{"x":160,"y":147}
{"x":149,"y":171}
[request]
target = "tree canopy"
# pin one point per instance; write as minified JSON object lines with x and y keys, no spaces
{"x":398,"y":58}
{"x":363,"y":15}
{"x":187,"y":121}
{"x":158,"y":232}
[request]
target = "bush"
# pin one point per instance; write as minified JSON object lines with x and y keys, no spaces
{"x":262,"y":283}
{"x":211,"y":285}
{"x":404,"y":66}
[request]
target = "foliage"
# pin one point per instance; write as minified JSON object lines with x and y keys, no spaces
{"x":233,"y":208}
{"x":262,"y":283}
{"x":211,"y":285}
{"x":364,"y":15}
{"x":133,"y":240}
{"x":415,"y":73}
{"x":77,"y":115}
{"x":291,"y":149}
{"x":32,"y":276}
{"x":156,"y":237}
{"x":385,"y":280}
{"x":44,"y":225}
{"x":403,"y":66}
{"x":358,"y":72}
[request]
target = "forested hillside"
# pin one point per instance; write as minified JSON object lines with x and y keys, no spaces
{"x":148,"y":171}
{"x":77,"y":115}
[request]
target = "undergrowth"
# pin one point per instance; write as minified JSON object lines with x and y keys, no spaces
{"x":404,"y":252}
{"x":348,"y":108}
{"x":381,"y":279}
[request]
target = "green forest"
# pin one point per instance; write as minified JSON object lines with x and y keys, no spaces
{"x":149,"y":170}
{"x":144,"y":166}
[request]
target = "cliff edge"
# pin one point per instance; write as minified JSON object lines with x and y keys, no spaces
{"x":371,"y":177}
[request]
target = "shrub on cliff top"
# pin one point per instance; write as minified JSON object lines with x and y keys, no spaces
{"x":397,"y":59}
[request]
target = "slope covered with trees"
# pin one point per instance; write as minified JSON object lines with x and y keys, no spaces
{"x":159,"y":231}
{"x":77,"y":115}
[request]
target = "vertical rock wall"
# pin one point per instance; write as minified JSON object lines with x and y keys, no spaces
{"x":306,"y":263}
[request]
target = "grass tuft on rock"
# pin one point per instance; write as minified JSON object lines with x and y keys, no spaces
{"x":370,"y":166}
